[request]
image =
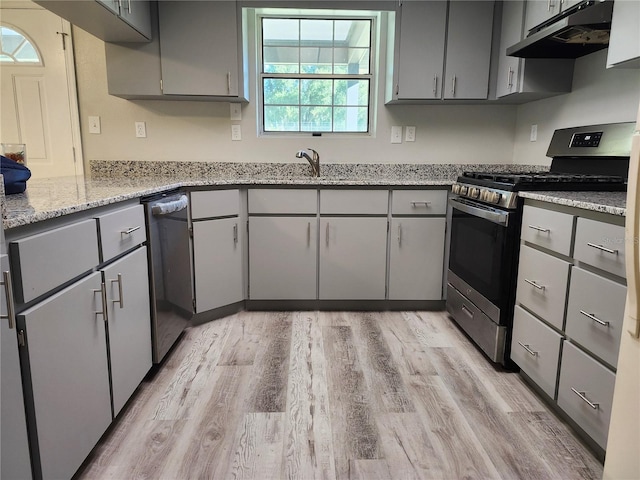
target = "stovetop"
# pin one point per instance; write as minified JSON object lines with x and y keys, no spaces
{"x":514,"y":182}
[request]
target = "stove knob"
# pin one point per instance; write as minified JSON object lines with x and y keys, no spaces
{"x":483,"y":195}
{"x":474,"y":192}
{"x":463,"y":190}
{"x":495,"y":197}
{"x":456,"y":188}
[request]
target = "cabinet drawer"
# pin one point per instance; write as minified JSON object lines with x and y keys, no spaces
{"x":583,"y":380}
{"x":49,"y":259}
{"x":594,"y":300}
{"x":283,"y":201}
{"x":547,"y":229}
{"x":601,"y":245}
{"x":215,"y":203}
{"x":536,"y":349}
{"x":120,"y":231}
{"x":357,"y":202}
{"x":542,"y":284}
{"x":419,"y":202}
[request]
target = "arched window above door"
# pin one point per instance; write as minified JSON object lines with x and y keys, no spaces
{"x":16,"y":48}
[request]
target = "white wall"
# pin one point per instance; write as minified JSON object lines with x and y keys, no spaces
{"x":598,"y":96}
{"x":201,"y":131}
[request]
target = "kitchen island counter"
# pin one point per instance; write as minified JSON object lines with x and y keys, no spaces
{"x":613,"y":203}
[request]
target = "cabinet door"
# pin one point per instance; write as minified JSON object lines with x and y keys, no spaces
{"x":420,"y":50}
{"x":199,"y":48}
{"x":67,"y":353}
{"x":417,"y":251}
{"x":282,"y":258}
{"x":137,"y":13}
{"x":468,"y":50}
{"x":127,"y":283}
{"x":511,"y":33}
{"x":624,"y":46}
{"x":537,"y":11}
{"x":217,"y":258}
{"x":353,"y":257}
{"x":15,"y":459}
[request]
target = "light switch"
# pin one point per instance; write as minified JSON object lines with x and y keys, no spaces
{"x":236,"y":111}
{"x":396,"y":134}
{"x":94,"y":124}
{"x":534,"y":133}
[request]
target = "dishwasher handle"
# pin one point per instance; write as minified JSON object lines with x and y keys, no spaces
{"x":170,"y":206}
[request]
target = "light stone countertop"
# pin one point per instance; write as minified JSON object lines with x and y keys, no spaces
{"x":606,"y":202}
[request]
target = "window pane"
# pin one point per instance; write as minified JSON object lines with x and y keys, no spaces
{"x":280,"y":59}
{"x":351,"y":92}
{"x":281,"y":119}
{"x":352,"y":61}
{"x":27,"y":53}
{"x":350,"y":119}
{"x":353,"y":33}
{"x":281,"y":91}
{"x":316,"y":32}
{"x":316,"y":92}
{"x":316,"y":60}
{"x":315,"y":119}
{"x":280,"y":31}
{"x":16,"y":48}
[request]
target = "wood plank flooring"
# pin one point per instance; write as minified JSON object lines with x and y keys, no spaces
{"x":335,"y":395}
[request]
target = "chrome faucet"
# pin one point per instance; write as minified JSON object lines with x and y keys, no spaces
{"x":314,"y":162}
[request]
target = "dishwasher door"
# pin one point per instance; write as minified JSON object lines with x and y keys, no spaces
{"x":170,"y":270}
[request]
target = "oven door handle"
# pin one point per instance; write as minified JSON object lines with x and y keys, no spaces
{"x":491,"y":215}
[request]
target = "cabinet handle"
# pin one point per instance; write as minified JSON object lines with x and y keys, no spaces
{"x":400,"y":235}
{"x":534,"y":284}
{"x":308,"y":234}
{"x":582,"y":395}
{"x":435,"y":85}
{"x":510,"y":78}
{"x":228,"y":82}
{"x":397,"y":88}
{"x":120,"y":296}
{"x":129,"y":231}
{"x":528,"y":349}
{"x":327,"y":235}
{"x":8,"y":293}
{"x":540,"y":229}
{"x":453,"y":85}
{"x":466,"y":310}
{"x":415,"y":203}
{"x":235,"y":233}
{"x":604,"y":249}
{"x":594,"y":318}
{"x":548,"y":5}
{"x":129,"y":6}
{"x":103,"y":294}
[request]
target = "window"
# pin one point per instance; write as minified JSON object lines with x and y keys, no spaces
{"x":315,"y":74}
{"x":16,"y":48}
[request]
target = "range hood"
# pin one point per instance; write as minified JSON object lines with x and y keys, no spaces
{"x":579,"y":30}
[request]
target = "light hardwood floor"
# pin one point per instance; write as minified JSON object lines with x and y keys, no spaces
{"x":335,"y":395}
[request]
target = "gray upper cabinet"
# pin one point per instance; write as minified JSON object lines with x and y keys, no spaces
{"x":530,"y":79}
{"x":539,"y":11}
{"x":624,"y":44}
{"x":442,"y":51}
{"x":200,"y":45}
{"x":109,"y":20}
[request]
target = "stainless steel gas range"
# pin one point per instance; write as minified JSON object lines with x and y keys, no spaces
{"x":486,"y":222}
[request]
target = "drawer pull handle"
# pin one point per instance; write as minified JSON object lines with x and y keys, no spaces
{"x":235,"y":233}
{"x":540,"y":229}
{"x":129,"y":231}
{"x":594,"y":318}
{"x":8,"y":292}
{"x":604,"y":249}
{"x":528,"y":349}
{"x":593,"y":405}
{"x":120,"y":296}
{"x":415,"y":203}
{"x":534,"y":284}
{"x":466,"y":310}
{"x":103,"y":294}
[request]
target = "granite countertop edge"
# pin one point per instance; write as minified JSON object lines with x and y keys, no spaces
{"x":613,"y":203}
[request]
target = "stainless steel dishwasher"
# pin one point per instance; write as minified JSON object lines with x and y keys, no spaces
{"x":169,"y":269}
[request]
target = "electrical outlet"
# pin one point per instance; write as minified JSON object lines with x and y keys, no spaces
{"x":236,"y":111}
{"x":410,"y":134}
{"x":396,"y":134}
{"x":141,"y":130}
{"x":534,"y":133}
{"x":94,"y":124}
{"x":236,"y":133}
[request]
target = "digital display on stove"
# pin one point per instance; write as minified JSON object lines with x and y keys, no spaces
{"x":591,"y":139}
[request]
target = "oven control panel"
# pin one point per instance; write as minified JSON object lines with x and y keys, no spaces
{"x":499,"y":198}
{"x":591,"y":139}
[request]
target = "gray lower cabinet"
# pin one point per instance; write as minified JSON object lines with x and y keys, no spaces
{"x":282,"y":258}
{"x":217,"y":257}
{"x":15,"y":460}
{"x":127,"y":286}
{"x":352,"y":258}
{"x":416,"y":258}
{"x":67,"y":357}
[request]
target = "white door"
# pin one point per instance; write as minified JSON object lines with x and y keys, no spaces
{"x":39,"y":102}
